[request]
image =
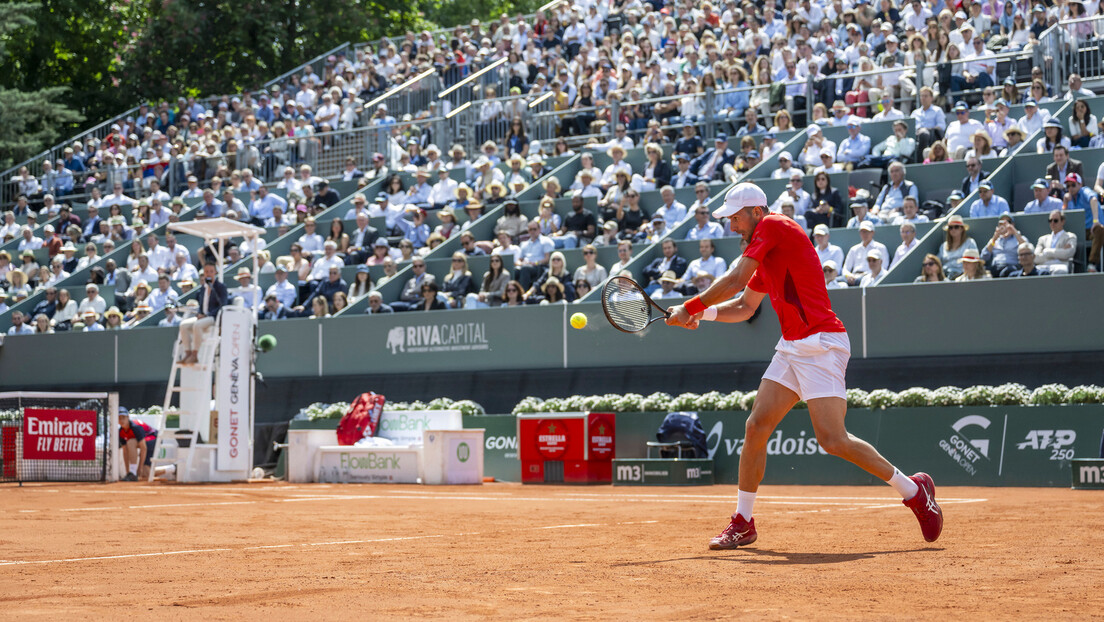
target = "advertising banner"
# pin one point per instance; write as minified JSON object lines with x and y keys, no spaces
{"x":368,"y":466}
{"x":235,"y":391}
{"x":500,"y":445}
{"x":55,"y":434}
{"x":405,"y":427}
{"x":959,"y":446}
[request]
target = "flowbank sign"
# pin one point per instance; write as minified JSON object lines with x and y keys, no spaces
{"x":405,"y":427}
{"x":375,"y":466}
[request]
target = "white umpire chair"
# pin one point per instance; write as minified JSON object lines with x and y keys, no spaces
{"x":213,"y":441}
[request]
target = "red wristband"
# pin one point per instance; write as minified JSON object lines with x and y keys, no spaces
{"x":694,"y":306}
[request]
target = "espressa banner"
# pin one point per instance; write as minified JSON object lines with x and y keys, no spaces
{"x":53,"y":434}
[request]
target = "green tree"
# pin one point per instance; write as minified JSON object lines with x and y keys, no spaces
{"x":220,"y":47}
{"x":448,"y":13}
{"x":32,"y":116}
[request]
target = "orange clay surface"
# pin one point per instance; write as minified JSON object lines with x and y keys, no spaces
{"x":277,"y":551}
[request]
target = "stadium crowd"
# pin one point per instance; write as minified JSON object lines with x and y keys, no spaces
{"x":660,"y":68}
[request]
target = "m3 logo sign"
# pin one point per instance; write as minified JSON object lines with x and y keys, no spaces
{"x":630,"y":473}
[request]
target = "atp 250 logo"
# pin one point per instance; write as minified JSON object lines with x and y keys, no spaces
{"x":1058,"y":442}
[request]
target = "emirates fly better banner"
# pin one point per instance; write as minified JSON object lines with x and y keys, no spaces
{"x":51,"y":434}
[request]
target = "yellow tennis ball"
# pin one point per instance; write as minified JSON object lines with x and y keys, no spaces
{"x":578,"y":321}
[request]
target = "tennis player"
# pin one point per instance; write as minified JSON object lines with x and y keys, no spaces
{"x":809,"y":361}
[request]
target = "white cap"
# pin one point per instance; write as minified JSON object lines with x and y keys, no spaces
{"x":866,"y":225}
{"x":821,"y":229}
{"x":741,"y":196}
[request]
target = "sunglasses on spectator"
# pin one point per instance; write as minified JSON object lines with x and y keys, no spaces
{"x":872,"y":260}
{"x":457,"y":261}
{"x":955,"y":227}
{"x":928,"y":264}
{"x":593,"y":253}
{"x":1055,"y":220}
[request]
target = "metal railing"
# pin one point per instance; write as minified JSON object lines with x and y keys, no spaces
{"x":1073,"y":46}
{"x":318,"y":63}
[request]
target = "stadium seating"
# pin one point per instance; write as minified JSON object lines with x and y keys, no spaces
{"x":413,"y":114}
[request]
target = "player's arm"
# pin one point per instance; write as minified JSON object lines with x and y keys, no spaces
{"x":720,"y":291}
{"x":739,"y":309}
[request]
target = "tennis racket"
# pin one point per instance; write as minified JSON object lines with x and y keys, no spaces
{"x":627,"y":307}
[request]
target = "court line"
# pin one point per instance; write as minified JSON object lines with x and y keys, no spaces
{"x":275,"y":546}
{"x":867,"y":502}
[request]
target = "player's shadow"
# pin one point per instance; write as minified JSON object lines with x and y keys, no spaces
{"x":768,"y":557}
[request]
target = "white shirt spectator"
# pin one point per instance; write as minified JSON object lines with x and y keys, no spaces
{"x":714,"y":265}
{"x":903,"y":249}
{"x":321,"y":268}
{"x":311,"y":242}
{"x":856,"y":257}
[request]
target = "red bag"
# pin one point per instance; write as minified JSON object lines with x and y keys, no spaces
{"x":361,"y":420}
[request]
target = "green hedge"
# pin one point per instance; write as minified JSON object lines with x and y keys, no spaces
{"x":981,"y":395}
{"x":319,"y":410}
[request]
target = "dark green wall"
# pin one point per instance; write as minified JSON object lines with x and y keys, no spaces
{"x":1045,"y":314}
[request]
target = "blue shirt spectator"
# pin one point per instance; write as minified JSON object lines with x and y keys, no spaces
{"x":989,"y":205}
{"x":855,"y":147}
{"x":1082,"y":199}
{"x":265,"y":201}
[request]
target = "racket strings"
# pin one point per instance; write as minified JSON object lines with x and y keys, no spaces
{"x":626,"y":306}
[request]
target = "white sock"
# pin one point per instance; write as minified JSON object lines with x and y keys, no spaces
{"x":133,"y":469}
{"x":744,"y":502}
{"x":903,"y":485}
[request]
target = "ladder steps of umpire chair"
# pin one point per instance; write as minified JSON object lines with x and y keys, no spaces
{"x":163,"y":432}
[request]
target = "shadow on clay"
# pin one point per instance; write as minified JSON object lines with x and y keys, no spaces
{"x":768,"y":557}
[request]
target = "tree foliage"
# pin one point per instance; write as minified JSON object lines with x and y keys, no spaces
{"x":94,"y":59}
{"x":449,"y":13}
{"x":32,"y":116}
{"x":219,"y":47}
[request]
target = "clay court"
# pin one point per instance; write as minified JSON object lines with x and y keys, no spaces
{"x":280,"y":551}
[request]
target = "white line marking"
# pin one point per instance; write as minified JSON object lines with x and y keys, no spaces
{"x":867,"y":502}
{"x":133,"y":555}
{"x":274,"y":546}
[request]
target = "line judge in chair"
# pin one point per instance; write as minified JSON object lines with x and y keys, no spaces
{"x":213,"y":295}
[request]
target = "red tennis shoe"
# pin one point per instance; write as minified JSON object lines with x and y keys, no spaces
{"x":925,"y":508}
{"x":738,"y":533}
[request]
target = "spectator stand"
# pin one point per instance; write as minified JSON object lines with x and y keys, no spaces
{"x":319,"y":64}
{"x":1073,"y":46}
{"x":1032,"y":226}
{"x":791,"y":141}
{"x":1013,"y":181}
{"x":482,"y":229}
{"x":101,"y":131}
{"x":644,"y":254}
{"x":278,"y":245}
{"x":77,"y":280}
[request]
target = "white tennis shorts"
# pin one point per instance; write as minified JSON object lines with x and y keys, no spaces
{"x":812,"y":367}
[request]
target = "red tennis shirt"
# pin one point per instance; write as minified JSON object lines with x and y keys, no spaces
{"x":790,"y":273}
